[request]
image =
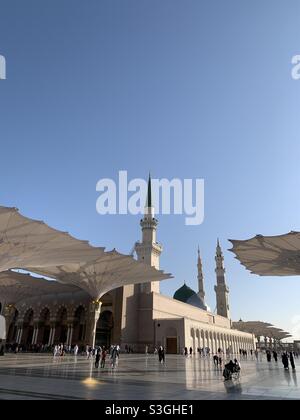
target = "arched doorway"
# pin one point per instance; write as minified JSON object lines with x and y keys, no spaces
{"x":44,"y":329}
{"x":171,"y":341}
{"x":62,"y":329}
{"x":12,"y":331}
{"x":79,"y":325}
{"x":28,"y":328}
{"x":105,"y":326}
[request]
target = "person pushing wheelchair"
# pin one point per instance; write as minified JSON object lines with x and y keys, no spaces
{"x":231,"y":369}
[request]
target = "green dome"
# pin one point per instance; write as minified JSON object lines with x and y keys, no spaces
{"x":184,"y":293}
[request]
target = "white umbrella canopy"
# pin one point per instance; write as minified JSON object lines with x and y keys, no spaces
{"x":110,"y":271}
{"x":15,"y":287}
{"x":269,"y":255}
{"x":283,"y":336}
{"x":34,"y":246}
{"x":278,"y":334}
{"x":258,"y":328}
{"x":25,"y":242}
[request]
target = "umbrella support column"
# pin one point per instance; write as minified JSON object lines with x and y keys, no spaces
{"x":93,"y":317}
{"x":8,"y":313}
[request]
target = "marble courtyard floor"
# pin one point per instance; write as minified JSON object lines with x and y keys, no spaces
{"x":137,"y":377}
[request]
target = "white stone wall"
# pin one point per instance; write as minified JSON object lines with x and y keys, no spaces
{"x":196,"y":328}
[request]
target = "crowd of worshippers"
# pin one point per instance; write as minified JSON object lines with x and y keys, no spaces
{"x":205,"y":351}
{"x":30,"y":348}
{"x":202,"y":351}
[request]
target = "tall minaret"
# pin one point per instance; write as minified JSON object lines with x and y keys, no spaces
{"x":221,"y":289}
{"x":201,"y":292}
{"x":149,"y":250}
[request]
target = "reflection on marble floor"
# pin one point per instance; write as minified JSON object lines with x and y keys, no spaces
{"x":34,"y":376}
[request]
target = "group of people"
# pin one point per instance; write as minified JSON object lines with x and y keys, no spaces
{"x":287,"y":358}
{"x":203,"y":351}
{"x":217,"y":360}
{"x":244,"y":353}
{"x":187,"y":351}
{"x":101,"y":354}
{"x":231,"y":368}
{"x":61,"y":350}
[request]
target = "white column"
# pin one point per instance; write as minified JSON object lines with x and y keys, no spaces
{"x":204,"y":339}
{"x":35,"y":335}
{"x":214,"y":343}
{"x":70,"y":335}
{"x":226,"y":343}
{"x":94,"y":314}
{"x":52,"y":335}
{"x":223,"y":342}
{"x":208,"y":341}
{"x":231,"y":344}
{"x":20,"y":334}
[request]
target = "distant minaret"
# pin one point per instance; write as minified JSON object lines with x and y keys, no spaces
{"x":221,"y":289}
{"x":201,"y":292}
{"x":149,"y":250}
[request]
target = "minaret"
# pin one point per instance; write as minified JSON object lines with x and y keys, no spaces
{"x":221,"y":289}
{"x":149,"y":250}
{"x":201,"y":292}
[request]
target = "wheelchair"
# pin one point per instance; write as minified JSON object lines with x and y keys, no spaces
{"x":232,"y":372}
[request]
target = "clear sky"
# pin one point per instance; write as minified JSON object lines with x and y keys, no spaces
{"x":187,"y":89}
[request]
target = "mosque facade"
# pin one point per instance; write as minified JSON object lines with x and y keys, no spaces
{"x":136,"y":315}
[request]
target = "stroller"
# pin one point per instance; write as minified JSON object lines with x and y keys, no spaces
{"x":232,"y":370}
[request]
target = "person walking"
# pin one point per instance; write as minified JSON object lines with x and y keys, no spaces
{"x":285,"y":361}
{"x":185,"y":351}
{"x":55,"y":351}
{"x":97,"y":358}
{"x":292,"y":361}
{"x":103,"y":358}
{"x":114,"y":355}
{"x":275,"y":356}
{"x":76,"y":350}
{"x":191,"y":351}
{"x":268,"y":356}
{"x":161,"y":355}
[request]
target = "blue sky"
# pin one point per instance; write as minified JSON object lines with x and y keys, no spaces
{"x":187,"y":89}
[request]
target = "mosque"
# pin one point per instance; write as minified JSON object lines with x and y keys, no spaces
{"x":134,"y":315}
